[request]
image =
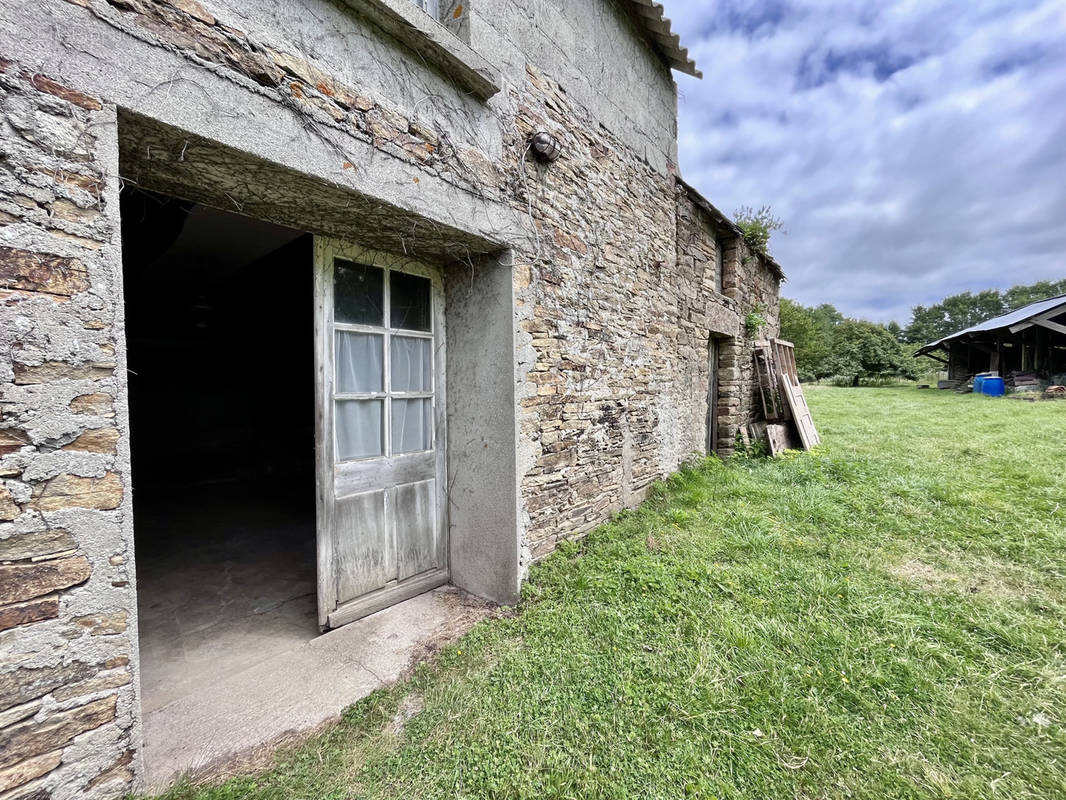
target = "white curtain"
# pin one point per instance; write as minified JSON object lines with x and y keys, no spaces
{"x":412,"y":425}
{"x":360,"y":432}
{"x":359,"y":362}
{"x":412,"y":364}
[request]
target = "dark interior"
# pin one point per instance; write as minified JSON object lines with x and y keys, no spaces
{"x":219,"y":330}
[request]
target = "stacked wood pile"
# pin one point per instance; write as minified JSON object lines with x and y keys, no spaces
{"x":1021,"y":385}
{"x":1023,"y":382}
{"x":788,"y":423}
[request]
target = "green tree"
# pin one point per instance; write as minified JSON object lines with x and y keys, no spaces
{"x":952,"y":314}
{"x":811,"y":331}
{"x":827,"y":316}
{"x":799,"y":326}
{"x":861,"y":349}
{"x":1018,"y":296}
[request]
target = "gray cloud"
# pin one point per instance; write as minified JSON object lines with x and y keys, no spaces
{"x":914,"y":148}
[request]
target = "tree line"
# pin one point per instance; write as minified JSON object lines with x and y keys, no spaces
{"x":830,"y":345}
{"x":963,"y":310}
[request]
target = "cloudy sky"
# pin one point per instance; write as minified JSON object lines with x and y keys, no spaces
{"x":914,"y":149}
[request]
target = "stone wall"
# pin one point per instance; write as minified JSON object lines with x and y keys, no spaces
{"x":616,"y":310}
{"x":67,"y":602}
{"x":593,"y":50}
{"x":613,"y":271}
{"x":759,"y":289}
{"x":597,"y":305}
{"x":750,"y":283}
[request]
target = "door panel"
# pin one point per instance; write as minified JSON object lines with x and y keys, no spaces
{"x":380,"y":345}
{"x":362,"y":552}
{"x":413,"y":528}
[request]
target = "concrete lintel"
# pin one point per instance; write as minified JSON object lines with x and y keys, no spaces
{"x":178,"y":163}
{"x":434,"y":43}
{"x":156,"y":83}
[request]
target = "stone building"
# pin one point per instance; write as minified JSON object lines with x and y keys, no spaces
{"x":289,"y":284}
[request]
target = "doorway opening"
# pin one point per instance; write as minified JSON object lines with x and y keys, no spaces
{"x":219,"y":333}
{"x":712,"y":396}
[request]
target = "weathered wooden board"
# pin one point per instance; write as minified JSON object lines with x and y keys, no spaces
{"x":781,"y":437}
{"x":785,"y":357}
{"x":766,"y":379}
{"x":778,"y":436}
{"x":414,"y":528}
{"x":361,"y":551}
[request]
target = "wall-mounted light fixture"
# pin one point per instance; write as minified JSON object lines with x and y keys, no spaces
{"x":546,"y":148}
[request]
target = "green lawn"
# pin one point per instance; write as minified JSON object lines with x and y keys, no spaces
{"x":881,"y":619}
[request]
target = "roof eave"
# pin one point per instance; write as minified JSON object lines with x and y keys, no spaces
{"x":708,"y":207}
{"x":775,"y":268}
{"x":1052,"y":310}
{"x":649,"y":15}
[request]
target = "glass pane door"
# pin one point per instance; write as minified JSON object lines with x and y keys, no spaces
{"x":383,"y":361}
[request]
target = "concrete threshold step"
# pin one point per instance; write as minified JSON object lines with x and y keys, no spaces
{"x":237,"y":721}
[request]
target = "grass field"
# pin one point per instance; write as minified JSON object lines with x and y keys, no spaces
{"x":885,"y":618}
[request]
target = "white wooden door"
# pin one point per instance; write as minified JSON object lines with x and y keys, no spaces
{"x":379,"y":361}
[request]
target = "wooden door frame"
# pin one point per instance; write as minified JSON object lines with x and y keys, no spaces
{"x":327,"y":475}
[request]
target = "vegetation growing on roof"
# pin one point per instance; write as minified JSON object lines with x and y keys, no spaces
{"x":757,"y":226}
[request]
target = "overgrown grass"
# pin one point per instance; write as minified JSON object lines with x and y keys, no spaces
{"x":881,"y":619}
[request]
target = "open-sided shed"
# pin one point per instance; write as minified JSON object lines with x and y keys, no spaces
{"x":1031,"y":339}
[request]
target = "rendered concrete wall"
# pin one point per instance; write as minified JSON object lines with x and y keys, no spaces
{"x":482,"y":482}
{"x":588,"y":343}
{"x":341,"y":47}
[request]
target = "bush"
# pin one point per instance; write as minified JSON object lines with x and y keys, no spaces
{"x":756,"y":226}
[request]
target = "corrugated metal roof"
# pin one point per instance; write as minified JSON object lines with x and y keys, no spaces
{"x":649,"y":14}
{"x":1022,"y":314}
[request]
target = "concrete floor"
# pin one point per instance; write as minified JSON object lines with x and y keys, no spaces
{"x":231,"y":659}
{"x":222,"y":584}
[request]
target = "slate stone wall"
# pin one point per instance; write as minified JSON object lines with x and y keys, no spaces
{"x":749,"y":283}
{"x":616,"y":310}
{"x":67,"y":602}
{"x":614,"y":290}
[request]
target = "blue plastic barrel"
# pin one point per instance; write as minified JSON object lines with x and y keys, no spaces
{"x":978,"y":383}
{"x":993,"y":387}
